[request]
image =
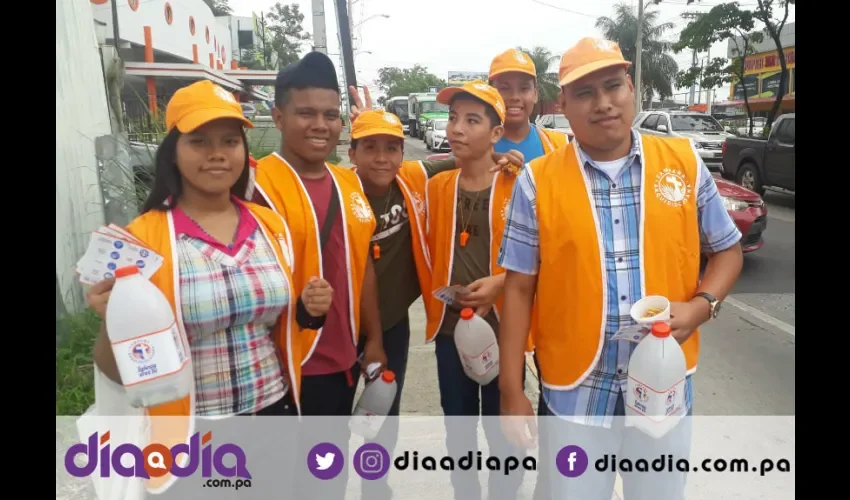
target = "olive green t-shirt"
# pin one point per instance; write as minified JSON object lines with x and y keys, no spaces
{"x":471,"y":262}
{"x":398,"y":283}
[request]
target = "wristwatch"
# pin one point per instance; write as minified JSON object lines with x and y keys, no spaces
{"x":712,"y":301}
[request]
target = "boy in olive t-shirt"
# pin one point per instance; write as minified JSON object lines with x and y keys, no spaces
{"x":377,"y":151}
{"x":461,"y":254}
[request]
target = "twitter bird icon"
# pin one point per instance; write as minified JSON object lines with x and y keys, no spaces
{"x":325,"y":461}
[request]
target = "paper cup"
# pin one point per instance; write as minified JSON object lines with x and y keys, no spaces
{"x":641,"y":307}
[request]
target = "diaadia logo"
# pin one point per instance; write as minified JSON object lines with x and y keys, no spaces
{"x":156,"y":460}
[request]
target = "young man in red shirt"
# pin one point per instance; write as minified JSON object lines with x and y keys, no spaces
{"x":331,"y":225}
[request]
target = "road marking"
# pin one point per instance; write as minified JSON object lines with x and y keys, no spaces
{"x":761,"y":316}
{"x":784,"y":217}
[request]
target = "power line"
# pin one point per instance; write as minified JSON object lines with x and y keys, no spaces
{"x":564,"y":9}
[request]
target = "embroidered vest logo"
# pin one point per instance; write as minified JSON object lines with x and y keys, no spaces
{"x":418,"y":203}
{"x":671,"y":187}
{"x":360,"y":208}
{"x":505,"y":205}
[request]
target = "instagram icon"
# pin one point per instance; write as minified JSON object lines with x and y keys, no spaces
{"x":371,"y":461}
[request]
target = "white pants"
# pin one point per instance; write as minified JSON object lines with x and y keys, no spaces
{"x":622,"y":444}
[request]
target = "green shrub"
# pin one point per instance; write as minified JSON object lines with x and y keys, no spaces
{"x":74,"y":366}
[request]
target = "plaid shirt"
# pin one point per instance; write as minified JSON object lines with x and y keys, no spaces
{"x":618,"y":205}
{"x":230,"y":305}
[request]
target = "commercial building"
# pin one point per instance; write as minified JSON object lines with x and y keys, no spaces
{"x":762,"y":71}
{"x":168,"y":44}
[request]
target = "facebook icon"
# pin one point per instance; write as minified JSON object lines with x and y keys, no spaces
{"x":571,"y":461}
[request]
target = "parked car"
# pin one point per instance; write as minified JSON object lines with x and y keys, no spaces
{"x":758,"y":163}
{"x":703,"y":130}
{"x":745,"y":207}
{"x":435,"y":135}
{"x":758,"y":126}
{"x":558,"y":123}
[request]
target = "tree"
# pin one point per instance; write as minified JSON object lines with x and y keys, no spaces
{"x":764,"y":12}
{"x":723,"y":22}
{"x":219,"y":7}
{"x":658,"y":68}
{"x":259,"y":55}
{"x":712,"y":76}
{"x":773,"y":27}
{"x":400,"y":82}
{"x":547,"y":81}
{"x":285,"y":34}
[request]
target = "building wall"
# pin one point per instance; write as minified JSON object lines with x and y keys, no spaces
{"x":761,"y":75}
{"x":81,"y":117}
{"x":761,"y":69}
{"x":190,"y":24}
{"x":786,"y":39}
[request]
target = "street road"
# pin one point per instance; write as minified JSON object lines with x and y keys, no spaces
{"x":747,"y":358}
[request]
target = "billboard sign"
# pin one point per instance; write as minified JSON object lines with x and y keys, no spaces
{"x":461,"y":77}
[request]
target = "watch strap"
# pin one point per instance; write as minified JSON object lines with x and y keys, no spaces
{"x":712,"y":301}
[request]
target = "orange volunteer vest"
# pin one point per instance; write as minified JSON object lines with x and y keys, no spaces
{"x":156,"y":229}
{"x":572,"y":282}
{"x":412,"y":178}
{"x":441,"y":203}
{"x":283,"y":190}
{"x":551,"y":140}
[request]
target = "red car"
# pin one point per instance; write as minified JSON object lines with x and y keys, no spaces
{"x":745,"y":207}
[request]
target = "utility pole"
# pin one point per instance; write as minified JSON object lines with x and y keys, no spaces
{"x":638,"y":58}
{"x":350,"y":22}
{"x":708,"y":91}
{"x":694,"y":83}
{"x":320,"y":39}
{"x":692,"y":15}
{"x":344,"y":24}
{"x":699,"y":94}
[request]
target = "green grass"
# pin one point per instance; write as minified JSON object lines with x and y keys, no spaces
{"x":74,"y":366}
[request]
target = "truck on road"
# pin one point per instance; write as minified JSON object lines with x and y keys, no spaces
{"x":399,"y":107}
{"x":759,"y":163}
{"x":422,"y":107}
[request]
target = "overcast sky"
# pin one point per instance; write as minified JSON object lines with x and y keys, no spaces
{"x":465,"y":35}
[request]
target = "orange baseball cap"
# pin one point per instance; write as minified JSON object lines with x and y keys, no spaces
{"x":587,"y":56}
{"x":512,"y":61}
{"x":376,"y":122}
{"x":478,"y":89}
{"x":199,"y":104}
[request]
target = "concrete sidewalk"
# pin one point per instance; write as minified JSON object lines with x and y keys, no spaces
{"x":421,"y":395}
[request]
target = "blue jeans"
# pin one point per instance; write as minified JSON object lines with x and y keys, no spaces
{"x":396,"y":346}
{"x":626,"y":443}
{"x":460,"y":396}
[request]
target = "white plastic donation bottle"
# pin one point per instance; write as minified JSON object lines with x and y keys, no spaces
{"x":477,"y":347}
{"x":655,"y":402}
{"x":149,"y":350}
{"x":374,"y":405}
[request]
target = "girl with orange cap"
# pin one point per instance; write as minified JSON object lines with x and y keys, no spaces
{"x":227,"y":273}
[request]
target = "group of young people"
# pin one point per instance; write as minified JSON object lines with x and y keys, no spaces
{"x":553,"y":254}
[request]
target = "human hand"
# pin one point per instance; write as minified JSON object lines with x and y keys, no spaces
{"x":98,"y":296}
{"x":685,"y":317}
{"x":517,"y":415}
{"x":359,"y":105}
{"x":482,"y":294}
{"x":317,"y":297}
{"x":373,"y":352}
{"x":509,"y":163}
